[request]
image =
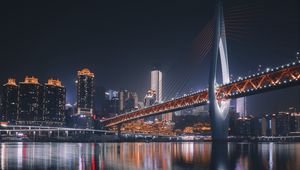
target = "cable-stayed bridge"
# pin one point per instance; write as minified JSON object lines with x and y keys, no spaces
{"x":218,"y":96}
{"x":276,"y":78}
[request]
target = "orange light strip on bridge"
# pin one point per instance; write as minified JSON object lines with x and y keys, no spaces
{"x":283,"y":76}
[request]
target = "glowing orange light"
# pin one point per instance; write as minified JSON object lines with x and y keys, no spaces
{"x":54,"y":82}
{"x":85,"y":71}
{"x":11,"y":81}
{"x":31,"y":80}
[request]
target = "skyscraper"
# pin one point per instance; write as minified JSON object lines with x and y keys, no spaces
{"x":156,"y":83}
{"x":128,"y":100}
{"x":149,"y":100}
{"x":10,"y":101}
{"x":241,"y":107}
{"x":85,"y":92}
{"x":30,"y":101}
{"x":54,"y":101}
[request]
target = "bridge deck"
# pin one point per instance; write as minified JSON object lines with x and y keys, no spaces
{"x":280,"y":77}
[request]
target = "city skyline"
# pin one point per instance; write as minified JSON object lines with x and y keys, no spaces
{"x":177,"y":34}
{"x":167,"y":38}
{"x":150,"y":84}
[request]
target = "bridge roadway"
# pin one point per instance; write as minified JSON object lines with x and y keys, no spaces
{"x":272,"y":79}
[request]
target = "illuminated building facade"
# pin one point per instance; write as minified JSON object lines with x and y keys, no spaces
{"x":54,"y":101}
{"x":268,"y":125}
{"x":30,"y":100}
{"x":85,"y":92}
{"x":10,"y":101}
{"x":156,"y":83}
{"x":241,"y":107}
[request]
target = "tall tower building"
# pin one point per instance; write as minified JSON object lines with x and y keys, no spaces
{"x":156,"y":83}
{"x":10,"y":101}
{"x":30,"y":101}
{"x":54,"y":101}
{"x":85,"y":92}
{"x":241,"y":107}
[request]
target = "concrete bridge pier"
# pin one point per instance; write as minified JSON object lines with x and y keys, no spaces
{"x":218,"y":109}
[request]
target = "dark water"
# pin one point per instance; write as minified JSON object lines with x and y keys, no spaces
{"x":149,"y":156}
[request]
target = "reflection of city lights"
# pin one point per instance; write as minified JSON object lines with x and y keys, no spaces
{"x":19,"y":155}
{"x":3,"y":156}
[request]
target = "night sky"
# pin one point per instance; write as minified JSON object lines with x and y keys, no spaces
{"x":120,"y":42}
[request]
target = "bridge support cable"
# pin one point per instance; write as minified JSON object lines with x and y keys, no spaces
{"x":202,"y":46}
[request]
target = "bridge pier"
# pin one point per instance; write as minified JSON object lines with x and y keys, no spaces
{"x":219,"y":125}
{"x":218,"y":109}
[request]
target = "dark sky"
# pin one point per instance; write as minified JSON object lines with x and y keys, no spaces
{"x":120,"y":41}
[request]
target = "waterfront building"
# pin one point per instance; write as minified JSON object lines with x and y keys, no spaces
{"x":243,"y":126}
{"x":283,"y":123}
{"x":295,"y":123}
{"x":241,"y":107}
{"x":9,"y":101}
{"x":255,"y":126}
{"x":268,"y":125}
{"x":156,"y":83}
{"x":111,"y":103}
{"x":30,"y":101}
{"x":85,"y":92}
{"x":128,"y":101}
{"x":233,"y":116}
{"x":149,"y":100}
{"x":263,"y":126}
{"x":54,"y":101}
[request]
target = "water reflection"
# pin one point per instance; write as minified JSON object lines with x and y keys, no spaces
{"x":149,"y":156}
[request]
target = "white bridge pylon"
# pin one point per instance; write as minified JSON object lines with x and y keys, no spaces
{"x":219,"y":110}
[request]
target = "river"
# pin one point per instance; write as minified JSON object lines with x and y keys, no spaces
{"x":150,"y":156}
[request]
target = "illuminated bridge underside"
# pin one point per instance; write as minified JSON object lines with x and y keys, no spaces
{"x":278,"y":78}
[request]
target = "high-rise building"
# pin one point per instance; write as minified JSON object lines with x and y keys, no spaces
{"x":283,"y":123}
{"x":10,"y":101}
{"x":156,"y":83}
{"x":150,"y":98}
{"x":268,"y":125}
{"x":128,"y":100}
{"x":123,"y":96}
{"x":296,"y":122}
{"x":111,"y":105}
{"x":264,"y":126}
{"x":30,"y":101}
{"x":85,"y":92}
{"x":241,"y":107}
{"x":54,"y":101}
{"x":243,"y":126}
